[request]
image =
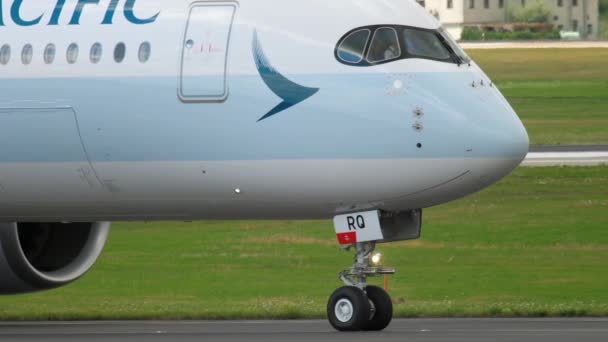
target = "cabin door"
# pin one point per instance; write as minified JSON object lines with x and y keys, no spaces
{"x":205,"y":52}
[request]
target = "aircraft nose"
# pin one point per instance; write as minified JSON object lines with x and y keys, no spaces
{"x":510,"y":140}
{"x":504,"y":145}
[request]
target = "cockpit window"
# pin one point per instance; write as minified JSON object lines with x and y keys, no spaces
{"x":384,"y":46}
{"x":395,"y":42}
{"x":448,"y":39}
{"x":424,"y":44}
{"x":353,"y":46}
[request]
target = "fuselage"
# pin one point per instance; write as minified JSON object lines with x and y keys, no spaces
{"x":158,"y":110}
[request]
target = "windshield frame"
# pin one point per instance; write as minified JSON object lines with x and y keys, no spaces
{"x":371,"y":41}
{"x":445,"y":46}
{"x":453,"y":46}
{"x":457,"y":55}
{"x":340,"y":50}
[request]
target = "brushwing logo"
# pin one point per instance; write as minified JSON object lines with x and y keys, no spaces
{"x":290,"y":92}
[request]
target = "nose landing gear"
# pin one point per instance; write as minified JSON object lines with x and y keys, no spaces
{"x":358,"y":306}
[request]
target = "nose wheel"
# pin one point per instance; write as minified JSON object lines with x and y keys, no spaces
{"x":348,"y":309}
{"x":358,"y":306}
{"x":382,"y":312}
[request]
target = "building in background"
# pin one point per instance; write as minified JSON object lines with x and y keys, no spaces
{"x":581,"y":16}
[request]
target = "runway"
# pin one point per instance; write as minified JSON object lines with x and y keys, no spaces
{"x":408,"y":330}
{"x":569,"y":148}
{"x":592,"y":155}
{"x":535,"y":45}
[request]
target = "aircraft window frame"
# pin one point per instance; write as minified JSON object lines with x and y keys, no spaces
{"x":71,"y":54}
{"x":420,"y":53}
{"x":340,"y":50}
{"x":27,"y":54}
{"x":96,"y":53}
{"x":457,"y":55}
{"x":5,"y":54}
{"x":373,"y":40}
{"x":120,"y":52}
{"x":144,"y":52}
{"x":50,"y":50}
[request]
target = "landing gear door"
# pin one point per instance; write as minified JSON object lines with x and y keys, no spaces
{"x":205,"y":52}
{"x":358,"y":227}
{"x":377,"y":226}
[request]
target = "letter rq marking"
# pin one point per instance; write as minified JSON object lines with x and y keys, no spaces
{"x":355,"y":222}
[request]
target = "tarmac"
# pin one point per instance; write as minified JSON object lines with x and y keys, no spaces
{"x":559,"y":44}
{"x":402,"y":330}
{"x":591,"y":155}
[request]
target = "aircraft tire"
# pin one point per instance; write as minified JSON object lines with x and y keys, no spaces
{"x":348,"y":309}
{"x":383,"y":305}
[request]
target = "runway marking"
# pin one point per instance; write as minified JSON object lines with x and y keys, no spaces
{"x":534,"y":45}
{"x":566,"y":158}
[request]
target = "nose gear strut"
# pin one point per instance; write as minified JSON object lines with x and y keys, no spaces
{"x":363,"y":267}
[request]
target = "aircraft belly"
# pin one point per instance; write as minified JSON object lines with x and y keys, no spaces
{"x":270,"y":189}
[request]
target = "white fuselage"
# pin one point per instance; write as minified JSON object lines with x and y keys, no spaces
{"x":234,"y":109}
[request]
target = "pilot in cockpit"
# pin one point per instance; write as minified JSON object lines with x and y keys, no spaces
{"x":391,"y":52}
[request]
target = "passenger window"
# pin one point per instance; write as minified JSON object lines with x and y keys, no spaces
{"x":95,"y":53}
{"x":144,"y":52}
{"x":72,"y":53}
{"x":119,"y":52}
{"x":26,"y":54}
{"x":49,"y":53}
{"x":385,"y":46}
{"x":352,"y":48}
{"x":424,"y":44}
{"x":5,"y":54}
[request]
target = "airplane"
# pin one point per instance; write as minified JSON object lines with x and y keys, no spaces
{"x":364,"y":111}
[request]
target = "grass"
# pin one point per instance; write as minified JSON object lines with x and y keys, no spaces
{"x":536,"y":244}
{"x":560,"y":94}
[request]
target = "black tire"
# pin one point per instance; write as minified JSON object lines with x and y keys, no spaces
{"x":383,"y":313}
{"x":357,"y":307}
